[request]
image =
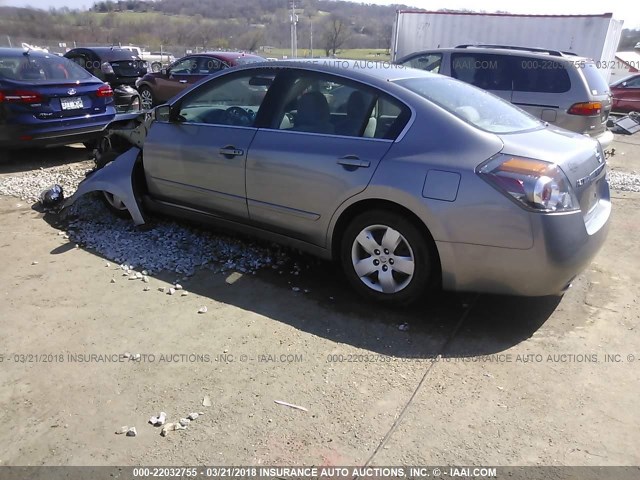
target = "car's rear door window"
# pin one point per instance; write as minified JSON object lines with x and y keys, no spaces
{"x":489,"y":72}
{"x":318,"y":103}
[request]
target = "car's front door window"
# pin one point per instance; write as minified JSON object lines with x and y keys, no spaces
{"x":188,"y":66}
{"x":230,"y":101}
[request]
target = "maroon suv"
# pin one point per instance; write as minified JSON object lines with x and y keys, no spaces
{"x":157,"y":88}
{"x":626,"y":94}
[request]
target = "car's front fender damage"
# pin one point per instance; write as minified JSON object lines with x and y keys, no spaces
{"x":116,"y":178}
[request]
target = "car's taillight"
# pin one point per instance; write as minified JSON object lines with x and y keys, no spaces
{"x":20,"y":96}
{"x":586,"y":109}
{"x":535,"y":184}
{"x":105,"y":91}
{"x":107,"y":68}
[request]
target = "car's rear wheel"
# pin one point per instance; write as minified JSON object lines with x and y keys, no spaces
{"x":386,"y":257}
{"x":115,"y":204}
{"x":146,"y":97}
{"x":156,"y":67}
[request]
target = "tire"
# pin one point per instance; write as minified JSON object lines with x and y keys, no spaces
{"x":114,"y":204}
{"x":401,"y":276}
{"x":156,"y":67}
{"x":147,"y":100}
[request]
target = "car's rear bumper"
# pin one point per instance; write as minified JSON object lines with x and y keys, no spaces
{"x":25,"y":136}
{"x":605,"y":138}
{"x":564,"y":245}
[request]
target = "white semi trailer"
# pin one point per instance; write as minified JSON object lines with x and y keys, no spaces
{"x":591,"y":36}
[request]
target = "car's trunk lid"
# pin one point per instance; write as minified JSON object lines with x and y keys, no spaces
{"x":580,"y":158}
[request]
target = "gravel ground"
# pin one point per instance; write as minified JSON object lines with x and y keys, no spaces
{"x":29,"y":185}
{"x":625,"y":181}
{"x":167,"y":246}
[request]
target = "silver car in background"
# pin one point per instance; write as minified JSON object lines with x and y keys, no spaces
{"x":408,"y":179}
{"x":557,"y":87}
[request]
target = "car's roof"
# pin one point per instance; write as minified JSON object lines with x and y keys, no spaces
{"x":356,"y":68}
{"x":520,"y":51}
{"x":225,"y":55}
{"x":16,"y":52}
{"x":108,"y":53}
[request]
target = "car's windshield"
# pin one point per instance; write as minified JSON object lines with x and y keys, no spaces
{"x":40,"y":69}
{"x":475,"y":106}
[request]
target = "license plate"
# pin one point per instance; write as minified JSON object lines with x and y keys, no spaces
{"x":71,"y":103}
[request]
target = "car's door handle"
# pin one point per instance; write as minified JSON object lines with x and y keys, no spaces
{"x":183,"y":81}
{"x":353,"y":161}
{"x":230,"y":151}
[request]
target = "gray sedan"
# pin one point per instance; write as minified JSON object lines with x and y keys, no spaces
{"x":410,"y":180}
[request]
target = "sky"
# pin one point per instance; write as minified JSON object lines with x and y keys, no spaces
{"x":626,"y":10}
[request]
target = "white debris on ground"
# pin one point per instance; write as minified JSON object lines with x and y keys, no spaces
{"x":625,"y":181}
{"x":167,"y":246}
{"x":30,"y":184}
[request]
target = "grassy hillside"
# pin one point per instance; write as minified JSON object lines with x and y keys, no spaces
{"x":208,"y":24}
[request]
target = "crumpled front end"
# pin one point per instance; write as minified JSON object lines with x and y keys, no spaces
{"x":116,"y":178}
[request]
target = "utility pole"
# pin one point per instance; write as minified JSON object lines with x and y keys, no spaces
{"x":294,"y":30}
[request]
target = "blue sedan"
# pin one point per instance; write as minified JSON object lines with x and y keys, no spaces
{"x":48,"y":100}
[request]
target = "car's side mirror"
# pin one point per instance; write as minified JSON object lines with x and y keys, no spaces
{"x":164,"y":72}
{"x":162,"y":113}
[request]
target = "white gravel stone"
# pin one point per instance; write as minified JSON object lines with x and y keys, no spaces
{"x":132,"y":432}
{"x":625,"y":181}
{"x":171,"y":291}
{"x":203,"y":310}
{"x":145,"y":279}
{"x":185,"y":422}
{"x":184,"y":294}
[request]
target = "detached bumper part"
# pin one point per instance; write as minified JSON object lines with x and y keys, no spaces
{"x":117,"y":179}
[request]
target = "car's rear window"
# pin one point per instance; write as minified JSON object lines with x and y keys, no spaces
{"x":116,"y":55}
{"x":40,"y":69}
{"x":597,"y":83}
{"x":473,"y":105}
{"x":248,"y":60}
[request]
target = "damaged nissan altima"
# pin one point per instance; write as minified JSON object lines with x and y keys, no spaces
{"x":409,"y":180}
